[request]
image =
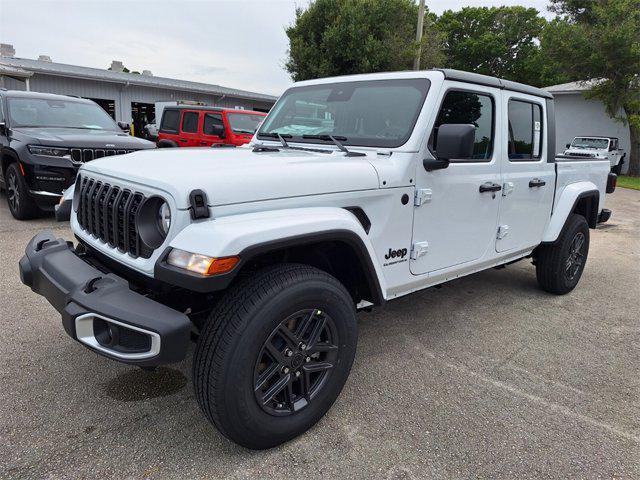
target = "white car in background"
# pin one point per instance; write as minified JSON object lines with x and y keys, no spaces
{"x":598,"y":147}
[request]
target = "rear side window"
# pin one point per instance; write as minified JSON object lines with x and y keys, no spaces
{"x":212,"y":124}
{"x":525,"y":130}
{"x":170,"y":121}
{"x":461,"y":107}
{"x":190,"y":122}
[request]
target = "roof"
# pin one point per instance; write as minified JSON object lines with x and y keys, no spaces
{"x":572,"y":87}
{"x":74,"y":71}
{"x":45,"y":96}
{"x":461,"y":76}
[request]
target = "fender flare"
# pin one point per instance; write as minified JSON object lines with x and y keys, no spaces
{"x":253,"y":234}
{"x":566,"y":204}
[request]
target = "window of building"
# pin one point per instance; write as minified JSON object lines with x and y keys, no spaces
{"x":525,"y":130}
{"x":461,"y":107}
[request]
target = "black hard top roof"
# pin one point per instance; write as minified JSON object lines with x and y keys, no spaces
{"x":478,"y":79}
{"x":208,"y":108}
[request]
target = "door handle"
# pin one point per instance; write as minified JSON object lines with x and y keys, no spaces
{"x":536,"y":182}
{"x":203,"y":143}
{"x":182,"y":140}
{"x":490,"y":187}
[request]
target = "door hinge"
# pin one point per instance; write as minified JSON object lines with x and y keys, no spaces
{"x":503,"y":231}
{"x":419,"y":250}
{"x":423,"y":195}
{"x":507,"y":188}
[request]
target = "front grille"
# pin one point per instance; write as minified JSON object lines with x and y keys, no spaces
{"x":108,"y":212}
{"x":82,"y":155}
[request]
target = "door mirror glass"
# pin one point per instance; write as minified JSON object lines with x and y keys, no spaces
{"x":455,"y":141}
{"x":568,"y":145}
{"x":124,"y":127}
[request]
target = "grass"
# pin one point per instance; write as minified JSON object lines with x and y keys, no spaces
{"x":629,"y":182}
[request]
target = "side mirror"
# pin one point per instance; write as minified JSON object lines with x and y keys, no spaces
{"x":455,"y":141}
{"x":217,"y":131}
{"x":124,"y":127}
{"x":568,"y":145}
{"x":3,"y":128}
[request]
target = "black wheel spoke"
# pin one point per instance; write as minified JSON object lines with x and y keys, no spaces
{"x":304,"y":324}
{"x":288,"y":336}
{"x":322,"y":347}
{"x":318,"y":366}
{"x":275,"y":354}
{"x":317,"y":331}
{"x":267,"y":375}
{"x":306,"y":385}
{"x":276,"y":389}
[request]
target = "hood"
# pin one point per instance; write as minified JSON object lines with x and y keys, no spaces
{"x":74,"y":137}
{"x":239,"y":175}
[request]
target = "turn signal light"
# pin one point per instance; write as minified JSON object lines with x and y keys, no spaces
{"x":201,"y":264}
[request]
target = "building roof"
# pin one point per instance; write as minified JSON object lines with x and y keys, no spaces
{"x":572,"y":87}
{"x":75,"y":71}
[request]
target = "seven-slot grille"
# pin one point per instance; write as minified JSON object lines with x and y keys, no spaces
{"x":81,"y":155}
{"x":108,"y":212}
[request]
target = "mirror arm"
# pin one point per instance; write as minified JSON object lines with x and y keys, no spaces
{"x":434,"y":164}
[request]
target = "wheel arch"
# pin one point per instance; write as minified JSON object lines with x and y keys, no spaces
{"x":8,"y":157}
{"x":582,"y":199}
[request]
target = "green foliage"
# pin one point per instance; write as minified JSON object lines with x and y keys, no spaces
{"x":602,"y":41}
{"x":629,"y":182}
{"x":341,"y":37}
{"x":499,"y":41}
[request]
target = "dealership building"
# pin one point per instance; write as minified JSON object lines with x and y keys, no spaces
{"x":127,"y":97}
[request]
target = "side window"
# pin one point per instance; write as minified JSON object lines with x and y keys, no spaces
{"x":190,"y":122}
{"x":170,"y":121}
{"x":1,"y":111}
{"x":212,"y":124}
{"x":468,"y":108}
{"x":525,"y":130}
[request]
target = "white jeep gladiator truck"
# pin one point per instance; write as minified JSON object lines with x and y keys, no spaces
{"x":355,"y":191}
{"x":598,"y":147}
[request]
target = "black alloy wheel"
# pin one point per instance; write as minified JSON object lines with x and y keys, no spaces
{"x":576,"y":256}
{"x":295,"y":362}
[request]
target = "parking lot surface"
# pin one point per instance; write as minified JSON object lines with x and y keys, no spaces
{"x":487,"y":376}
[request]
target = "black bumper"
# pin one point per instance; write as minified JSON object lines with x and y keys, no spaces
{"x":100,"y":310}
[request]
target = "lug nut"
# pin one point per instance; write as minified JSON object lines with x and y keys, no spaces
{"x":279,"y":405}
{"x":303,"y":346}
{"x":288,"y":352}
{"x":308,"y":359}
{"x":285,"y":369}
{"x":297,"y":374}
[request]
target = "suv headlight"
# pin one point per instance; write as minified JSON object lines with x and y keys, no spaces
{"x":48,"y":151}
{"x":153,"y":221}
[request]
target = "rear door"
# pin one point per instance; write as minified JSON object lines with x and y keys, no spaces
{"x":528,"y":176}
{"x":189,"y":127}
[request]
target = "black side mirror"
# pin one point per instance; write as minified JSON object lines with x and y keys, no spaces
{"x":3,"y":128}
{"x":454,"y":141}
{"x":568,"y":145}
{"x":124,"y":127}
{"x":217,"y":131}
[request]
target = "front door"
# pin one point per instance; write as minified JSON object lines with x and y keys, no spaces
{"x":212,"y":129}
{"x":528,"y":178}
{"x":456,"y":221}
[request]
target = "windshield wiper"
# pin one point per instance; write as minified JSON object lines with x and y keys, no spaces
{"x":281,"y":137}
{"x":336,"y":140}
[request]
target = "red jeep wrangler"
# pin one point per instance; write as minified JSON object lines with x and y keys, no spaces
{"x":194,"y":126}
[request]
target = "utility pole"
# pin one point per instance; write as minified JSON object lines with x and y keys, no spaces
{"x":416,"y":61}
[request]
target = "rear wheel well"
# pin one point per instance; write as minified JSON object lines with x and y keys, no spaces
{"x":338,"y":258}
{"x":587,"y":206}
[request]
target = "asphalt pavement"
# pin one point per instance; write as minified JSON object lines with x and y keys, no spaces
{"x":486,"y":377}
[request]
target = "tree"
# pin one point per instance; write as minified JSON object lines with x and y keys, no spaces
{"x":341,"y":37}
{"x":498,"y":41}
{"x":599,"y":40}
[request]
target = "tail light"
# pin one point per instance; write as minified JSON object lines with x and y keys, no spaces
{"x":612,"y":181}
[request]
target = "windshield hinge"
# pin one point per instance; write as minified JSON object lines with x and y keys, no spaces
{"x":423,"y":195}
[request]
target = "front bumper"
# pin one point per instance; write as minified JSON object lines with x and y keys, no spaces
{"x":100,"y":310}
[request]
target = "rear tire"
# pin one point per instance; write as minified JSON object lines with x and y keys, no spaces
{"x":21,"y":205}
{"x":275,"y":354}
{"x":559,"y":266}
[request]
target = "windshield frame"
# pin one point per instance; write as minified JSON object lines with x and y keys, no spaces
{"x":13,"y":124}
{"x":354,"y":142}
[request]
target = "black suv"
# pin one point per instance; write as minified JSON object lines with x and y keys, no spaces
{"x":44,"y":138}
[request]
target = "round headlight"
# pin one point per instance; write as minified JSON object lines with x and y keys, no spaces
{"x":153,"y":221}
{"x":164,"y":218}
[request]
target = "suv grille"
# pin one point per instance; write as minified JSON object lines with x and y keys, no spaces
{"x":108,"y":212}
{"x":82,"y":155}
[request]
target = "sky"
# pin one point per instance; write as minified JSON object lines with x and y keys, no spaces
{"x":239,"y":44}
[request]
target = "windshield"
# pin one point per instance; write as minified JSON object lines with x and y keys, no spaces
{"x":39,"y":112}
{"x":378,"y":113}
{"x":244,"y":122}
{"x":586,"y":142}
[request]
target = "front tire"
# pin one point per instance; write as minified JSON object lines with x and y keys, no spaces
{"x":275,"y":354}
{"x":21,"y":205}
{"x":559,"y":266}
